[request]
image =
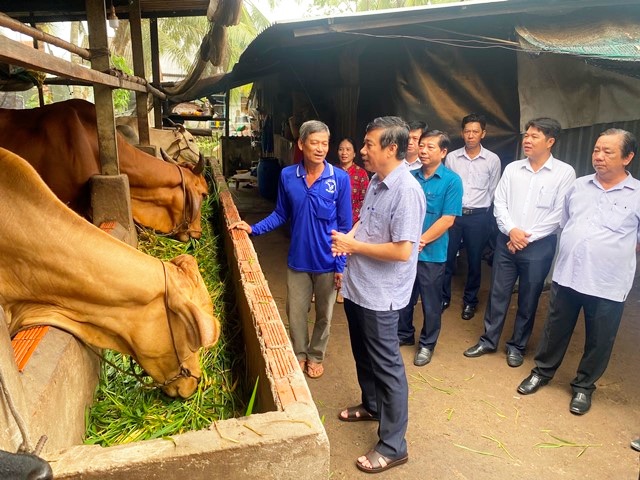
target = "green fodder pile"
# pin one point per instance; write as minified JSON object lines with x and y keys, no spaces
{"x":124,"y":411}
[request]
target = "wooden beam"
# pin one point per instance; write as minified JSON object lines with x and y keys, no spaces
{"x":15,"y":53}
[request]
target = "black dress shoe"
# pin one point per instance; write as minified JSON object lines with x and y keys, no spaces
{"x":531,"y":384}
{"x":580,"y":403}
{"x":468,"y":312}
{"x":477,"y":351}
{"x":514,"y":358}
{"x":423,"y":356}
{"x":445,"y":305}
{"x":409,"y":341}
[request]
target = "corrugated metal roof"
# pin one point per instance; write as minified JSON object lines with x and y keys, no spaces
{"x":603,"y":39}
{"x":271,"y":48}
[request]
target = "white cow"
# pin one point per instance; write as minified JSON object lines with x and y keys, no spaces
{"x":177,"y":142}
{"x":57,"y":269}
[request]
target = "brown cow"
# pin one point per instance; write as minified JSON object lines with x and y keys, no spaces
{"x":57,"y":269}
{"x":61,"y":142}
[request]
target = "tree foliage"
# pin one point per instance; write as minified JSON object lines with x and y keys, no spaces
{"x":332,"y":7}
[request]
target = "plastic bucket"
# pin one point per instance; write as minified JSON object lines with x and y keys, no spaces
{"x":268,"y":176}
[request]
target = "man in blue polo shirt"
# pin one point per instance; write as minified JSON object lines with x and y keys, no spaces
{"x":316,"y":198}
{"x":443,"y":191}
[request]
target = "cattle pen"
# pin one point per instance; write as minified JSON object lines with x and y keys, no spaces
{"x":58,"y":382}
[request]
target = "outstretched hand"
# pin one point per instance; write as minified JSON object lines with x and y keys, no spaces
{"x":242,"y":225}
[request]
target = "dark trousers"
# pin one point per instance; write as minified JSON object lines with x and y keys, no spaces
{"x":474,"y":230}
{"x":531,"y":266}
{"x":428,"y":286}
{"x":602,"y":319}
{"x":381,"y":374}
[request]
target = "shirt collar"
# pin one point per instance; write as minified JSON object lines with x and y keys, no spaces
{"x":628,"y":182}
{"x":327,"y":172}
{"x":438,"y":173}
{"x":463,"y":154}
{"x":412,"y":163}
{"x":548,"y":164}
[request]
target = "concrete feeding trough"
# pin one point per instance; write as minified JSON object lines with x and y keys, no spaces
{"x":285,"y":440}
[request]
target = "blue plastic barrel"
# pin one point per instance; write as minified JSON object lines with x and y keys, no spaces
{"x":268,"y":176}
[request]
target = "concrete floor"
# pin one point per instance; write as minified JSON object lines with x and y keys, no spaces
{"x":462,"y":410}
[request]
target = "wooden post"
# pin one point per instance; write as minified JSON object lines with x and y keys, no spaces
{"x":135,"y":22}
{"x":98,"y":42}
{"x":155,"y":67}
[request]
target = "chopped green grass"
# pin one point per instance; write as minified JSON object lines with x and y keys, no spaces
{"x":124,"y":411}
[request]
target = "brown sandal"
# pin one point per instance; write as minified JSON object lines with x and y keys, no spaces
{"x":375,"y":459}
{"x":357,"y":414}
{"x":314,"y":370}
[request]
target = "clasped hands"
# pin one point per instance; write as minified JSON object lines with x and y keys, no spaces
{"x":518,"y":240}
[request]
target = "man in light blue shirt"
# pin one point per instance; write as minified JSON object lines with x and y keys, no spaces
{"x":595,"y":267}
{"x":316,"y":198}
{"x":479,"y":170}
{"x":443,"y":192}
{"x":383,"y":252}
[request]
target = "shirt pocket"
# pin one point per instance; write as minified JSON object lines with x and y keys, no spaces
{"x":479,"y":180}
{"x":373,"y":225}
{"x":434,"y":203}
{"x":546,"y":198}
{"x":615,"y":218}
{"x":326,"y":209}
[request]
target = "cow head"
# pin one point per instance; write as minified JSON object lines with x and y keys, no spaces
{"x":184,"y":148}
{"x":170,"y":351}
{"x":174,"y":208}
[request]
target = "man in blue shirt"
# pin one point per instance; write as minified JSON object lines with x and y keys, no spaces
{"x":443,"y":191}
{"x":316,"y":198}
{"x":595,"y":267}
{"x":383,"y":252}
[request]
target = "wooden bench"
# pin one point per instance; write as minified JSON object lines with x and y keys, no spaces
{"x":239,"y":178}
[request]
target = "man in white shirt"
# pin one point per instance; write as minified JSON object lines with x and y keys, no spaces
{"x":479,"y":169}
{"x":528,"y":206}
{"x":595,"y":268}
{"x":411,"y":159}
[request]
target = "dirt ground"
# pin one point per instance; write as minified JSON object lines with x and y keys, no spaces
{"x":466,"y":419}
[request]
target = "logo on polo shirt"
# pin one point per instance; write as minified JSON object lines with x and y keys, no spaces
{"x":331,"y":185}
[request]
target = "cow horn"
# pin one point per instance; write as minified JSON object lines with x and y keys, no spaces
{"x":199,"y":168}
{"x":167,"y":158}
{"x":180,"y":128}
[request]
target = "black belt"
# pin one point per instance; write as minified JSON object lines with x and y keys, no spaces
{"x":474,"y":211}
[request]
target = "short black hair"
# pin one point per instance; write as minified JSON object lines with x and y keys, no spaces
{"x":549,"y":126}
{"x":444,"y":142}
{"x":394,"y":130}
{"x":418,"y":125}
{"x":629,"y":142}
{"x":473,"y":118}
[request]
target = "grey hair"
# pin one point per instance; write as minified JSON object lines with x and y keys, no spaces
{"x":312,"y":126}
{"x":629,"y":142}
{"x":394,"y":130}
